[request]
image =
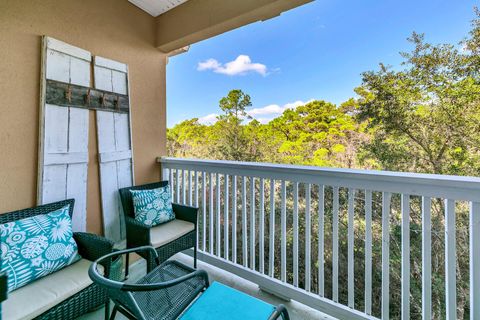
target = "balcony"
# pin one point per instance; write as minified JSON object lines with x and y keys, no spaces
{"x":353,"y":244}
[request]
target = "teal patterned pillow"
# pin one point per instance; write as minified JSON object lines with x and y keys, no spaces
{"x":34,"y":247}
{"x":153,"y":207}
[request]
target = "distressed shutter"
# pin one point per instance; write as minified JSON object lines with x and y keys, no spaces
{"x":115,"y":147}
{"x":63,"y":151}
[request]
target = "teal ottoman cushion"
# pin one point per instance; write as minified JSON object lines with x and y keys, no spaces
{"x":222,"y":302}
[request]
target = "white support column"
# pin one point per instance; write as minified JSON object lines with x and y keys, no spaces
{"x":210,"y":195}
{"x":204,"y":210}
{"x":350,"y":236}
{"x":252,"y":223}
{"x":218,"y":216}
{"x":308,"y":238}
{"x":262,"y":227}
{"x":474,"y":260}
{"x":335,"y":244}
{"x":450,"y":260}
{"x":271,"y":244}
{"x":283,"y":222}
{"x":234,"y":219}
{"x":405,"y":230}
{"x":321,"y":241}
{"x":226,"y":248}
{"x":386,"y":198}
{"x":190,"y":188}
{"x":244,"y":222}
{"x":177,"y":184}
{"x":295,"y":234}
{"x":368,"y":252}
{"x":426,"y":259}
{"x":184,"y":187}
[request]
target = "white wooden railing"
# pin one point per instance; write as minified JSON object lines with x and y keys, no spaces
{"x":245,"y":199}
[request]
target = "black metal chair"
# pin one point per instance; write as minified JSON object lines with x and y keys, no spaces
{"x":138,"y":234}
{"x":164,"y":293}
{"x":173,"y":290}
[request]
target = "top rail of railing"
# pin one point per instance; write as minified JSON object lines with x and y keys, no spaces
{"x":416,"y":184}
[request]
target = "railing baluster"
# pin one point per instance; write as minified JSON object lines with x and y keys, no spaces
{"x":196,"y":189}
{"x":450,"y":260}
{"x":295,"y":234}
{"x":335,"y":245}
{"x":218,"y":222}
{"x":426,"y":259}
{"x":271,"y":244}
{"x":405,"y":230}
{"x":170,"y":181}
{"x":368,"y":252}
{"x":474,"y":260}
{"x":308,"y":237}
{"x":262,"y":226}
{"x":204,"y":210}
{"x":283,"y":222}
{"x":190,"y":188}
{"x":252,"y":223}
{"x":244,"y":221}
{"x":234,"y":219}
{"x":225,"y":219}
{"x":321,"y":241}
{"x":351,"y":287}
{"x":211,"y":238}
{"x":184,"y":187}
{"x":196,"y":198}
{"x":386,"y":198}
{"x":177,"y":184}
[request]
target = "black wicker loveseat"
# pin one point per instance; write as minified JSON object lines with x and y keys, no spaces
{"x":90,"y":247}
{"x":138,"y":234}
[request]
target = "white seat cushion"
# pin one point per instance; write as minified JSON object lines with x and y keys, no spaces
{"x":169,"y":231}
{"x":37,"y":297}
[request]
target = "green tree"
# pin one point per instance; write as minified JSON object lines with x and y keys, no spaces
{"x":233,"y":141}
{"x":426,"y":117}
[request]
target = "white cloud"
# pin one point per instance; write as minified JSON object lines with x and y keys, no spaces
{"x":208,"y":119}
{"x":263,"y":115}
{"x":242,"y":65}
{"x":267,"y":113}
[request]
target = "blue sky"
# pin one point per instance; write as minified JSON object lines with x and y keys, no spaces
{"x":317,"y":51}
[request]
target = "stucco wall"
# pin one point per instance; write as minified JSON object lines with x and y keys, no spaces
{"x":110,"y":28}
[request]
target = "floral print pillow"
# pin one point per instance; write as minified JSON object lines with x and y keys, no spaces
{"x":153,"y":207}
{"x":34,"y":247}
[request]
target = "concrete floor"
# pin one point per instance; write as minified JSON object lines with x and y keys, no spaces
{"x":296,"y":310}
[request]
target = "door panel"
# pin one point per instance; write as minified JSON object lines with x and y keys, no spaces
{"x":63,"y":152}
{"x":115,"y":148}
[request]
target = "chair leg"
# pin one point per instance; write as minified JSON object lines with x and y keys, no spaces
{"x":107,"y":309}
{"x":195,"y":257}
{"x":127,"y":267}
{"x":114,"y":313}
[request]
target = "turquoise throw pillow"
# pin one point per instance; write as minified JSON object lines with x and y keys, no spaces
{"x":153,"y":207}
{"x":34,"y":247}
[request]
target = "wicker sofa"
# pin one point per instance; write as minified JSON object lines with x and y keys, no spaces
{"x":67,"y":293}
{"x":167,"y":238}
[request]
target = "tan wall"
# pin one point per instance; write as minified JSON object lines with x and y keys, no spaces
{"x":111,"y":28}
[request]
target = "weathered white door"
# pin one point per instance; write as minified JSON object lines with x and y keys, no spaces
{"x":63,"y":150}
{"x":115,"y":147}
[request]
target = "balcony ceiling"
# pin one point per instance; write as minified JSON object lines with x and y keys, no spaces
{"x":157,"y":7}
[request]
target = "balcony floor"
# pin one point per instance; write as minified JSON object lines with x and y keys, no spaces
{"x":296,"y":310}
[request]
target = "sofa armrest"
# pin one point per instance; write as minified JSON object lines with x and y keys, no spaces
{"x":185,"y":213}
{"x":138,"y":234}
{"x":92,"y":246}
